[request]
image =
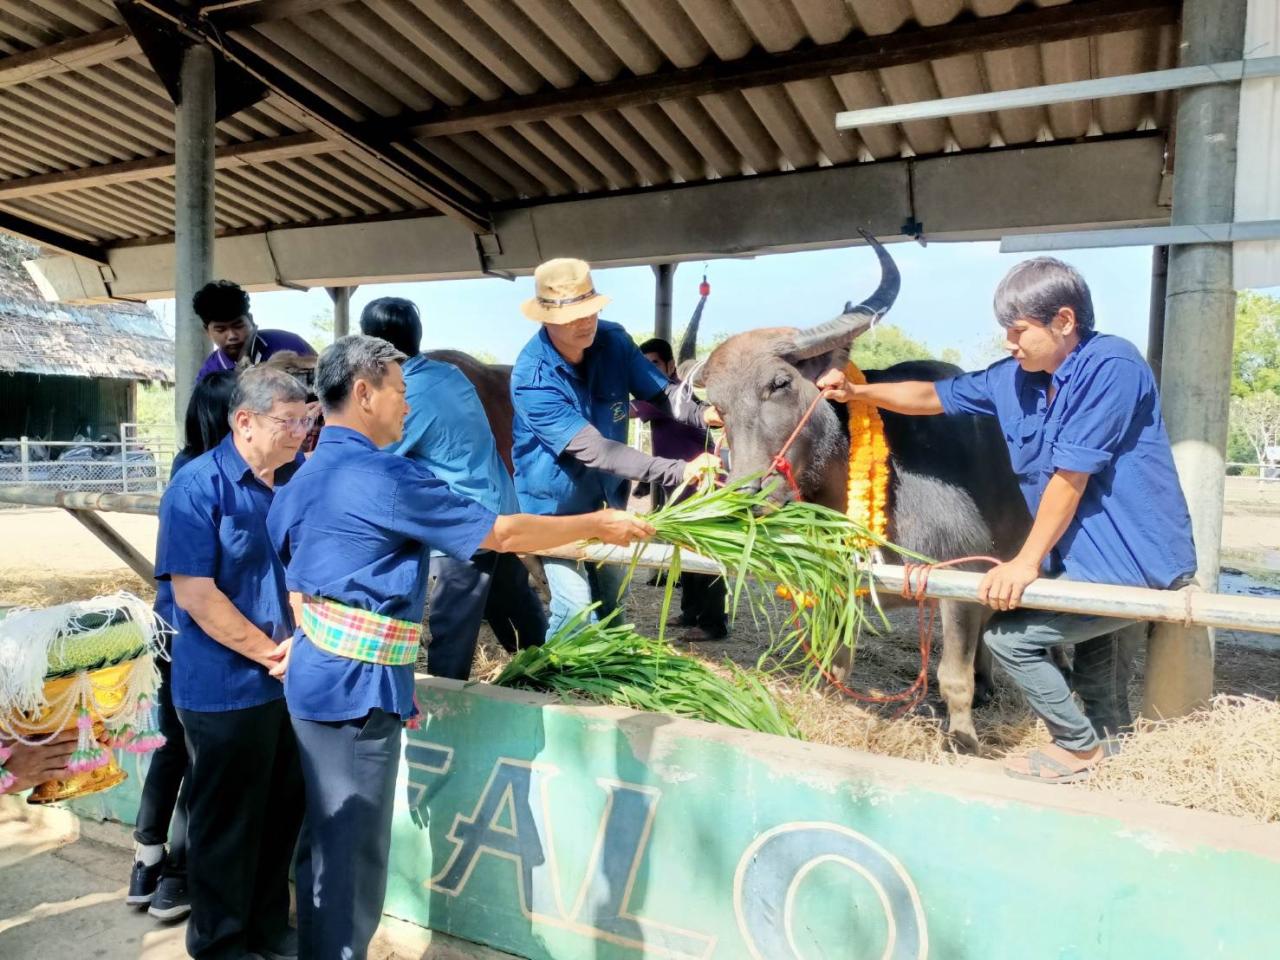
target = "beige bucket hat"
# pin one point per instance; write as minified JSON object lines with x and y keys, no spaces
{"x":563,"y":292}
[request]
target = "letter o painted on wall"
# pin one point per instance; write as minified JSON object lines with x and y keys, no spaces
{"x":775,"y":864}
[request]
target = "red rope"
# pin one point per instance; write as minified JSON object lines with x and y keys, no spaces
{"x":926,"y":609}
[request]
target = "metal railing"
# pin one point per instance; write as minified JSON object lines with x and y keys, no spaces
{"x":1190,"y":607}
{"x":1254,"y":471}
{"x":139,"y":463}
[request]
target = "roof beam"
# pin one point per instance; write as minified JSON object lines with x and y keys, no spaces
{"x":967,"y":35}
{"x":448,"y":191}
{"x":153,"y":168}
{"x":52,"y":239}
{"x":64,"y":56}
{"x":1156,"y":81}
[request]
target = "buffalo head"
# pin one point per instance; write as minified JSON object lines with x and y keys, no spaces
{"x":762,"y":381}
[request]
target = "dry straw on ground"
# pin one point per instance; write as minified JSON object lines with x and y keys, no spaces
{"x":1225,"y":758}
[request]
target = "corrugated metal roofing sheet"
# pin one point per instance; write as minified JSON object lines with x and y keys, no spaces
{"x":388,"y":59}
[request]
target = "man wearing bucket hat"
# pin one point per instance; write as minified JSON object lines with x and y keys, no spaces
{"x":571,"y":388}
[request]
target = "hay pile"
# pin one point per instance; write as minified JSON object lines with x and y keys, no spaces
{"x":46,"y":589}
{"x":1225,"y":758}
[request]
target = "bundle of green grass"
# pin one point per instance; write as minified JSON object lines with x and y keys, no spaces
{"x":614,"y":664}
{"x":819,"y":556}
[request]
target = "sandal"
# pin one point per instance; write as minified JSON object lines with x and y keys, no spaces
{"x":1051,"y":765}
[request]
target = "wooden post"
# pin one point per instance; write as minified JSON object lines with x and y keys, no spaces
{"x":341,"y":310}
{"x":1155,"y":319}
{"x":193,"y":221}
{"x":1199,"y":325}
{"x":663,"y":275}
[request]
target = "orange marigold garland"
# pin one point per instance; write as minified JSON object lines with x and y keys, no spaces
{"x":868,"y":466}
{"x":868,"y":491}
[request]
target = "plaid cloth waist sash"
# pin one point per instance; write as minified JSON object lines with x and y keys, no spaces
{"x":360,"y":634}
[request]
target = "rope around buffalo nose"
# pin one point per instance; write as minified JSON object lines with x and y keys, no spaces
{"x":915,"y":584}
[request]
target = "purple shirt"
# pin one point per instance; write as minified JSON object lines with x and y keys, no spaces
{"x":265,"y":344}
{"x":671,"y":438}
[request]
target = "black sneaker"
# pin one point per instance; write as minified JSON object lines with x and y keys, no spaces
{"x":142,"y":883}
{"x":171,"y":901}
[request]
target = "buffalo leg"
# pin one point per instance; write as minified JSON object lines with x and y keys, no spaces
{"x":984,"y":684}
{"x":961,"y":635}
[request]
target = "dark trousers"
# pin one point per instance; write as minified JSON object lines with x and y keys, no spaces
{"x":489,"y":586}
{"x":162,"y":812}
{"x":702,"y":603}
{"x":245,"y":810}
{"x":350,"y":771}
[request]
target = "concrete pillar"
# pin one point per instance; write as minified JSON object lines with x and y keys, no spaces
{"x":663,"y":276}
{"x":193,"y":215}
{"x":1155,"y":320}
{"x":341,"y":310}
{"x":1199,"y":324}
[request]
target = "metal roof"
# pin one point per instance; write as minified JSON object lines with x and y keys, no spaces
{"x":523,"y":101}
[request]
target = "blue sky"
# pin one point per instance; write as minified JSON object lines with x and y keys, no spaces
{"x":945,"y":299}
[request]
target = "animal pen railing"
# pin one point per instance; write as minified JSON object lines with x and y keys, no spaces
{"x":1189,"y":607}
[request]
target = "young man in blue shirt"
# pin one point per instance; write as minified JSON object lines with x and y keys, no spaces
{"x":571,"y":387}
{"x":231,"y":612}
{"x":354,"y":528}
{"x":448,"y":432}
{"x":1081,"y":417}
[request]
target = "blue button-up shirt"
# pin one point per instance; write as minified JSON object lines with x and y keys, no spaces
{"x":555,"y":399}
{"x":355,"y":525}
{"x":213,"y":523}
{"x":1131,"y":526}
{"x":448,"y":432}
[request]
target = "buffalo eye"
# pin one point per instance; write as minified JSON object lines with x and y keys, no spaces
{"x":780,"y":381}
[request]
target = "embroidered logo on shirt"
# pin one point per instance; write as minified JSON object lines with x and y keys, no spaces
{"x":619,"y":411}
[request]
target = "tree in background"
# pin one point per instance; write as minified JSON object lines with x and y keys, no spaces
{"x":1257,"y":418}
{"x":1255,"y":379}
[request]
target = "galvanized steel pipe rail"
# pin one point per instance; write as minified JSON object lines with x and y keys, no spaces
{"x":1190,"y":607}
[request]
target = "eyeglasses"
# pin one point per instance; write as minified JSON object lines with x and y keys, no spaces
{"x":292,"y":424}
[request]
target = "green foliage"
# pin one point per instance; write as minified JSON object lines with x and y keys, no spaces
{"x":155,"y":405}
{"x":1256,"y":360}
{"x":321,"y":334}
{"x":886,"y":345}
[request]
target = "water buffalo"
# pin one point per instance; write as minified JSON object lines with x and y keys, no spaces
{"x":952,"y":491}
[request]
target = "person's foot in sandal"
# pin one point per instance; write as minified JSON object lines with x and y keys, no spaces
{"x":1055,"y":764}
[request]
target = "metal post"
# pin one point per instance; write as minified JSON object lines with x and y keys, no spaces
{"x":1199,"y":323}
{"x":1155,"y":321}
{"x":193,"y":221}
{"x":24,"y":457}
{"x":341,"y":310}
{"x":663,"y":275}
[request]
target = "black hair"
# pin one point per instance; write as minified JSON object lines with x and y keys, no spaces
{"x":395,"y":320}
{"x":1037,"y":289}
{"x":208,"y":410}
{"x":659,"y":346}
{"x":220,"y":302}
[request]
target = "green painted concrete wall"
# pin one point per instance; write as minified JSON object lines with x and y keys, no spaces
{"x":595,"y":833}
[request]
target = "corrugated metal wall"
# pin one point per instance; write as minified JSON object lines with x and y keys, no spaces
{"x":57,"y":408}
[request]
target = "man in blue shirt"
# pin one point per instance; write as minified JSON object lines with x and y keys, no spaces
{"x":232,"y":617}
{"x":354,"y":528}
{"x":448,"y":432}
{"x":223,"y":308}
{"x":1081,"y":417}
{"x":571,"y":388}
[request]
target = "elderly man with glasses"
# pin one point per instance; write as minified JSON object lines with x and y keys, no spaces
{"x":232,"y":615}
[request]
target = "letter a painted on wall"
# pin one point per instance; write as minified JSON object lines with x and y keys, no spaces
{"x":776,"y":863}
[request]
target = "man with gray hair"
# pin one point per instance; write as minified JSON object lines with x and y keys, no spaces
{"x":232,"y":620}
{"x":354,"y":529}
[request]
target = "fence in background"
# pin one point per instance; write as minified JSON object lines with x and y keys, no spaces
{"x":139,"y":462}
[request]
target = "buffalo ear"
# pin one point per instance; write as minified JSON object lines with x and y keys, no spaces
{"x":814,"y":367}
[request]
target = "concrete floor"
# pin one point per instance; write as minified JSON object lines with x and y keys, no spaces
{"x":62,"y":888}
